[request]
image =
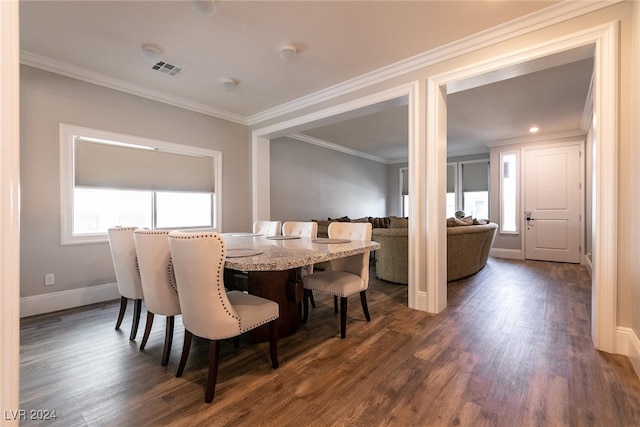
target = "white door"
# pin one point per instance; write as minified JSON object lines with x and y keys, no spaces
{"x":552,"y":193}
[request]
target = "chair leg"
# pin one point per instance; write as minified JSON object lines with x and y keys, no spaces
{"x":123,"y":308}
{"x":305,"y":306}
{"x":137,"y":308}
{"x":313,"y":301}
{"x":147,"y":330}
{"x":186,"y":346}
{"x":335,"y":304}
{"x":168,"y":340}
{"x":365,"y":307}
{"x":273,"y":343}
{"x":214,"y":352}
{"x":343,"y":317}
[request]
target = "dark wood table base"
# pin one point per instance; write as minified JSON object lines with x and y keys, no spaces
{"x":283,"y":287}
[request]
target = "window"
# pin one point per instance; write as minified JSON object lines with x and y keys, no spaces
{"x":508,"y":192}
{"x":110,"y":179}
{"x":404,"y":192}
{"x":474,"y":179}
{"x":468,"y":188}
{"x":452,"y":184}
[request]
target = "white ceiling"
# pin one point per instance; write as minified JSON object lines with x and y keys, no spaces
{"x":100,"y":41}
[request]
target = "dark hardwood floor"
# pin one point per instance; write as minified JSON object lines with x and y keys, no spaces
{"x":512,"y":349}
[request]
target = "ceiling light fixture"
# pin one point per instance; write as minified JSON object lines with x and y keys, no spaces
{"x":204,"y":7}
{"x":229,"y":84}
{"x":534,"y":129}
{"x":152,"y":52}
{"x":287,"y":53}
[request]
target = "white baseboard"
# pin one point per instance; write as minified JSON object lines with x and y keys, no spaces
{"x":628,"y":344}
{"x":46,"y":303}
{"x":506,"y":253}
{"x":586,"y":261}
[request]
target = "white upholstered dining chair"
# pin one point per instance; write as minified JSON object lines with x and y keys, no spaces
{"x":123,"y":253}
{"x":343,"y":277}
{"x":302,"y":229}
{"x":158,"y":284}
{"x":208,"y":311}
{"x":268,"y":228}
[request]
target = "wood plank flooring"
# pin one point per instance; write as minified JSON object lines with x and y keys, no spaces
{"x":512,"y":349}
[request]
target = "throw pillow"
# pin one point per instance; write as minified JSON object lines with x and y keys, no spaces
{"x":363,"y":219}
{"x":341,"y":219}
{"x":397,"y":222}
{"x":462,"y":222}
{"x":382,"y":222}
{"x":480,"y":221}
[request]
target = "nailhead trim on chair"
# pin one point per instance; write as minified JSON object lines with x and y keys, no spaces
{"x":220,"y":267}
{"x":172,"y":277}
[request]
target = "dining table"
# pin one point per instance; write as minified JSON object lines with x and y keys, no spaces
{"x":273,"y":267}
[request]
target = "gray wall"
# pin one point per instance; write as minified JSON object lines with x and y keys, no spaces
{"x":312,"y":182}
{"x":48,"y":99}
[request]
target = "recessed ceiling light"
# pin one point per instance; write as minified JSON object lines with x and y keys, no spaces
{"x":229,"y":84}
{"x":152,"y":52}
{"x":534,"y":129}
{"x":204,"y":7}
{"x":287,"y":52}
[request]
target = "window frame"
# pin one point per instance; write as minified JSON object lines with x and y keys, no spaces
{"x":404,"y":198}
{"x":68,"y":133}
{"x":460,"y":183}
{"x":516,"y":154}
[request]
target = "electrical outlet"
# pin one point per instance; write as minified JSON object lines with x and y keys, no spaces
{"x":49,"y":279}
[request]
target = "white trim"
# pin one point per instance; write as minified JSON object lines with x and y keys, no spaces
{"x":506,"y":253}
{"x":540,"y":19}
{"x":576,"y":134}
{"x":605,"y":38}
{"x":504,"y":154}
{"x":434,"y":197}
{"x":67,"y":180}
{"x":628,"y":344}
{"x":331,"y":146}
{"x":543,"y":18}
{"x":9,"y":208}
{"x":260,"y":161}
{"x":88,"y":76}
{"x":62,"y":300}
{"x":605,"y":199}
{"x":586,"y":261}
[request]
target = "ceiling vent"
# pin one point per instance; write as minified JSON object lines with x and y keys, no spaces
{"x":165,"y":67}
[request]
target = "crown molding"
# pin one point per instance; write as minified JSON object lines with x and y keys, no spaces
{"x":587,"y":113}
{"x":546,"y":17}
{"x":562,"y":11}
{"x":330,"y":145}
{"x":578,"y":133}
{"x":82,"y":74}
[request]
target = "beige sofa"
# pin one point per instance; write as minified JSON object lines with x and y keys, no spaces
{"x":467,"y":251}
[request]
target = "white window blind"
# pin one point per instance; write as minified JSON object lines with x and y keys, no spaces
{"x":475,"y":176}
{"x":405,"y":182}
{"x":126,"y":167}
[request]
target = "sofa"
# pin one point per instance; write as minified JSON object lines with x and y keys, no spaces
{"x":469,"y":242}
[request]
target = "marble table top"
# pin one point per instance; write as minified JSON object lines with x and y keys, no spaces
{"x":278,"y":255}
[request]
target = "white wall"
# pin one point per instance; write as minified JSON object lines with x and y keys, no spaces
{"x":312,"y":182}
{"x":48,"y":99}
